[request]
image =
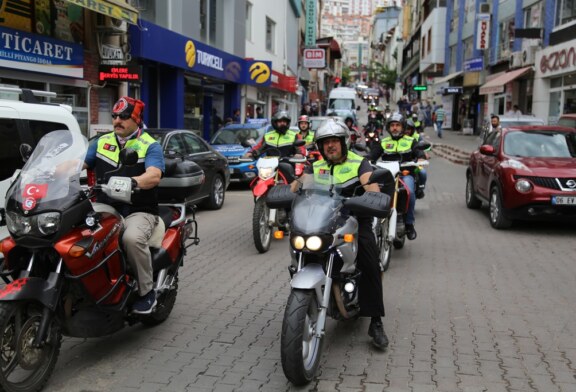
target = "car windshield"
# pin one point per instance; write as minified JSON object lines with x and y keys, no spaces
{"x":540,"y":144}
{"x":567,"y":122}
{"x":238,"y":135}
{"x":345,"y":104}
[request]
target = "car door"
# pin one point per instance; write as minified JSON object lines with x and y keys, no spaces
{"x":198,"y":151}
{"x":487,"y":163}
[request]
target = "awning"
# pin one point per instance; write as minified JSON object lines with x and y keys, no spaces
{"x":448,"y":77}
{"x":497,"y":84}
{"x":116,"y":9}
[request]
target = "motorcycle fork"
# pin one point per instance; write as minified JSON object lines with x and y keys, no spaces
{"x":325,"y":300}
{"x":272,"y":217}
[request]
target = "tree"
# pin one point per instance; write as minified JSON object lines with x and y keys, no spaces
{"x":383,"y":75}
{"x":345,"y":75}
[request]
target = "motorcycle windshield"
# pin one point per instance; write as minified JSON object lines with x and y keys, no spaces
{"x":52,"y":173}
{"x":316,"y":209}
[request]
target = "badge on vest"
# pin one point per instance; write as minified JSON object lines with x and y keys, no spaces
{"x":389,"y":145}
{"x":345,"y":170}
{"x":109,"y":147}
{"x":323,"y":172}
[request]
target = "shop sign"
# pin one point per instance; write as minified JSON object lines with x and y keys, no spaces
{"x":283,"y":82}
{"x":453,"y":90}
{"x":558,"y":60}
{"x":310,"y":29}
{"x":474,"y":65}
{"x":314,"y":58}
{"x":36,"y":53}
{"x":259,"y":72}
{"x":128,"y":73}
{"x":112,"y":55}
{"x":483,"y":31}
{"x":119,"y":10}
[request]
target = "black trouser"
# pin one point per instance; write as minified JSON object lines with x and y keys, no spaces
{"x":370,"y":284}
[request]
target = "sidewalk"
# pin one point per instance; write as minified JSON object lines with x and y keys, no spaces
{"x":453,"y":146}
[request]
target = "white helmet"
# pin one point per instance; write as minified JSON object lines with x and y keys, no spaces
{"x":332,"y":127}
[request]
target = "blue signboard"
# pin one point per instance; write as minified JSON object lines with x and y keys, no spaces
{"x":156,"y":43}
{"x":474,"y":65}
{"x":37,"y":53}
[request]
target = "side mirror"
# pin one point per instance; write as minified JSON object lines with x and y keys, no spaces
{"x":25,"y":151}
{"x":128,"y":157}
{"x":487,"y":149}
{"x":299,"y":143}
{"x":422,"y":145}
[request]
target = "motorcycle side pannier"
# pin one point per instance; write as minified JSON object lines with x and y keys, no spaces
{"x":182,"y":179}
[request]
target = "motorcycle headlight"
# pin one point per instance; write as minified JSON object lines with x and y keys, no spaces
{"x":42,"y":224}
{"x":314,"y":243}
{"x":298,"y":242}
{"x":266,"y":173}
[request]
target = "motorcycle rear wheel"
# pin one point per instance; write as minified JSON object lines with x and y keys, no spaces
{"x":300,"y":348}
{"x":384,"y":245}
{"x":164,"y":307}
{"x":24,"y":367}
{"x":261,"y":231}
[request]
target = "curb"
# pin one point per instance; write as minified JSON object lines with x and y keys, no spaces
{"x":451,"y":153}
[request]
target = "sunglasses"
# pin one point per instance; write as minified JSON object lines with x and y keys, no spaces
{"x":123,"y":116}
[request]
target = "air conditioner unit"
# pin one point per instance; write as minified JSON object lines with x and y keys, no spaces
{"x":106,"y":23}
{"x":484,"y":8}
{"x":529,"y":55}
{"x":515,"y":60}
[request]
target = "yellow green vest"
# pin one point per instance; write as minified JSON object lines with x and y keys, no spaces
{"x":402,"y":145}
{"x":344,"y":174}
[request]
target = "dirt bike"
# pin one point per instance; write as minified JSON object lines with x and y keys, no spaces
{"x":323,"y":269}
{"x":64,"y":268}
{"x":271,"y":168}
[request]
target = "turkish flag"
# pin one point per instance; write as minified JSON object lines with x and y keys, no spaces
{"x":37,"y":191}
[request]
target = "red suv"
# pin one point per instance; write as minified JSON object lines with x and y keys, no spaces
{"x":524,"y":172}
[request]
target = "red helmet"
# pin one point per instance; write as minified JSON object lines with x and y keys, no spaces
{"x":303,"y":118}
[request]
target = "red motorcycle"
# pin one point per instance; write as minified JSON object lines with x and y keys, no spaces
{"x":64,"y":267}
{"x":270,"y":173}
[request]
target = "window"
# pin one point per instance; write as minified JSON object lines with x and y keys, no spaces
{"x":270,"y":35}
{"x":193,"y":144}
{"x":565,"y":12}
{"x":249,"y":21}
{"x":175,"y":145}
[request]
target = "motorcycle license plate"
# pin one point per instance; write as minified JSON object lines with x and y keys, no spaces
{"x":564,"y":200}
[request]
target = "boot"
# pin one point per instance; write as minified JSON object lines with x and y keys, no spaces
{"x":410,"y":232}
{"x":376,"y":332}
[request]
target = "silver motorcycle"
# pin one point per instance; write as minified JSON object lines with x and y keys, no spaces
{"x":324,"y":247}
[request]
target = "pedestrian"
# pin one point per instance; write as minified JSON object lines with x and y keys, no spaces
{"x":515,"y":111}
{"x":259,"y":113}
{"x":216,"y":121}
{"x":236,"y":116}
{"x":439,"y":120}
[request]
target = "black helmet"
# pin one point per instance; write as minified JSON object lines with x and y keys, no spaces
{"x":349,"y":118}
{"x":410,"y":127}
{"x":281,"y":115}
{"x":398,"y":118}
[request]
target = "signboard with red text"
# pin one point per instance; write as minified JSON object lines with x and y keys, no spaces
{"x":314,"y":58}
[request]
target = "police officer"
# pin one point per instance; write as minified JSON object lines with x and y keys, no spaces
{"x":282,"y":139}
{"x":305,"y":132}
{"x":141,"y":216}
{"x":400,"y":147}
{"x":353,"y":170}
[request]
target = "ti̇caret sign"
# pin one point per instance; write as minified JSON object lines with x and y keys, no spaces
{"x":164,"y":46}
{"x":37,"y":53}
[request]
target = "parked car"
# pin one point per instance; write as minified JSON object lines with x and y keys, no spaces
{"x":180,"y":146}
{"x":567,"y":120}
{"x":228,"y":141}
{"x":24,"y":120}
{"x":524,"y":172}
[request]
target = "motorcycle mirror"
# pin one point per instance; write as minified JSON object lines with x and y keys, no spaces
{"x":422,"y":145}
{"x":128,"y":157}
{"x":299,"y":143}
{"x":378,"y":176}
{"x":25,"y":151}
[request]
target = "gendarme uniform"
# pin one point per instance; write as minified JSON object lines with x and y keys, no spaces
{"x":284,"y":143}
{"x":309,"y":139}
{"x":396,"y":149}
{"x":108,"y":158}
{"x":345,"y":175}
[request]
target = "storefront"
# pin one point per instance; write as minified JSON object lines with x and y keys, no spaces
{"x":555,"y":82}
{"x":504,"y":89}
{"x":186,"y":82}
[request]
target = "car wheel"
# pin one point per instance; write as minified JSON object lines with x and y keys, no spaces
{"x":472,"y":201}
{"x":217,"y":193}
{"x":498,"y":219}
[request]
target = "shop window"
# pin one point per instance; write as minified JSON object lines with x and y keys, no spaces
{"x":270,"y":35}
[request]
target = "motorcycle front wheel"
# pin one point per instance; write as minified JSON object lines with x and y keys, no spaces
{"x":25,"y":367}
{"x":261,"y":231}
{"x":300,"y":346}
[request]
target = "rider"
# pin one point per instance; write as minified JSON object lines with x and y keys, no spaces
{"x":400,"y":147}
{"x":412,"y":131}
{"x":141,"y":216}
{"x":417,"y":123}
{"x":282,"y":139}
{"x":354,"y":134}
{"x":353,"y":170}
{"x":305,"y":132}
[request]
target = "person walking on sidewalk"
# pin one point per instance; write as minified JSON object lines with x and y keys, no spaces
{"x":439,"y":120}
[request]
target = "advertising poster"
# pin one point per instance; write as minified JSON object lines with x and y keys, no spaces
{"x":16,"y":14}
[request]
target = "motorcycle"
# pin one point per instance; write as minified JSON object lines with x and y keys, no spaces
{"x":371,"y":136}
{"x":323,"y":268}
{"x":265,"y":219}
{"x":65,"y":271}
{"x":390,"y":231}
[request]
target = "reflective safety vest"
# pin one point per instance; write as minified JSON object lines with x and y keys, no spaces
{"x":309,"y":139}
{"x":402,"y":145}
{"x":284,"y":143}
{"x":344,"y":174}
{"x":108,"y":158}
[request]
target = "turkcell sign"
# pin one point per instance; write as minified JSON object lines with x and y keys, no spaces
{"x":310,"y":38}
{"x":474,"y":65}
{"x":483,"y":31}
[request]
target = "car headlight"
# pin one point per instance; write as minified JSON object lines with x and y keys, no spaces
{"x":42,"y":224}
{"x":266,"y":173}
{"x":246,"y":160}
{"x":523,"y":185}
{"x":314,"y":243}
{"x":298,"y":242}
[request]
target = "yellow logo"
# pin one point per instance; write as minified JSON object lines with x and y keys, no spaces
{"x":259,"y":72}
{"x":190,"y":54}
